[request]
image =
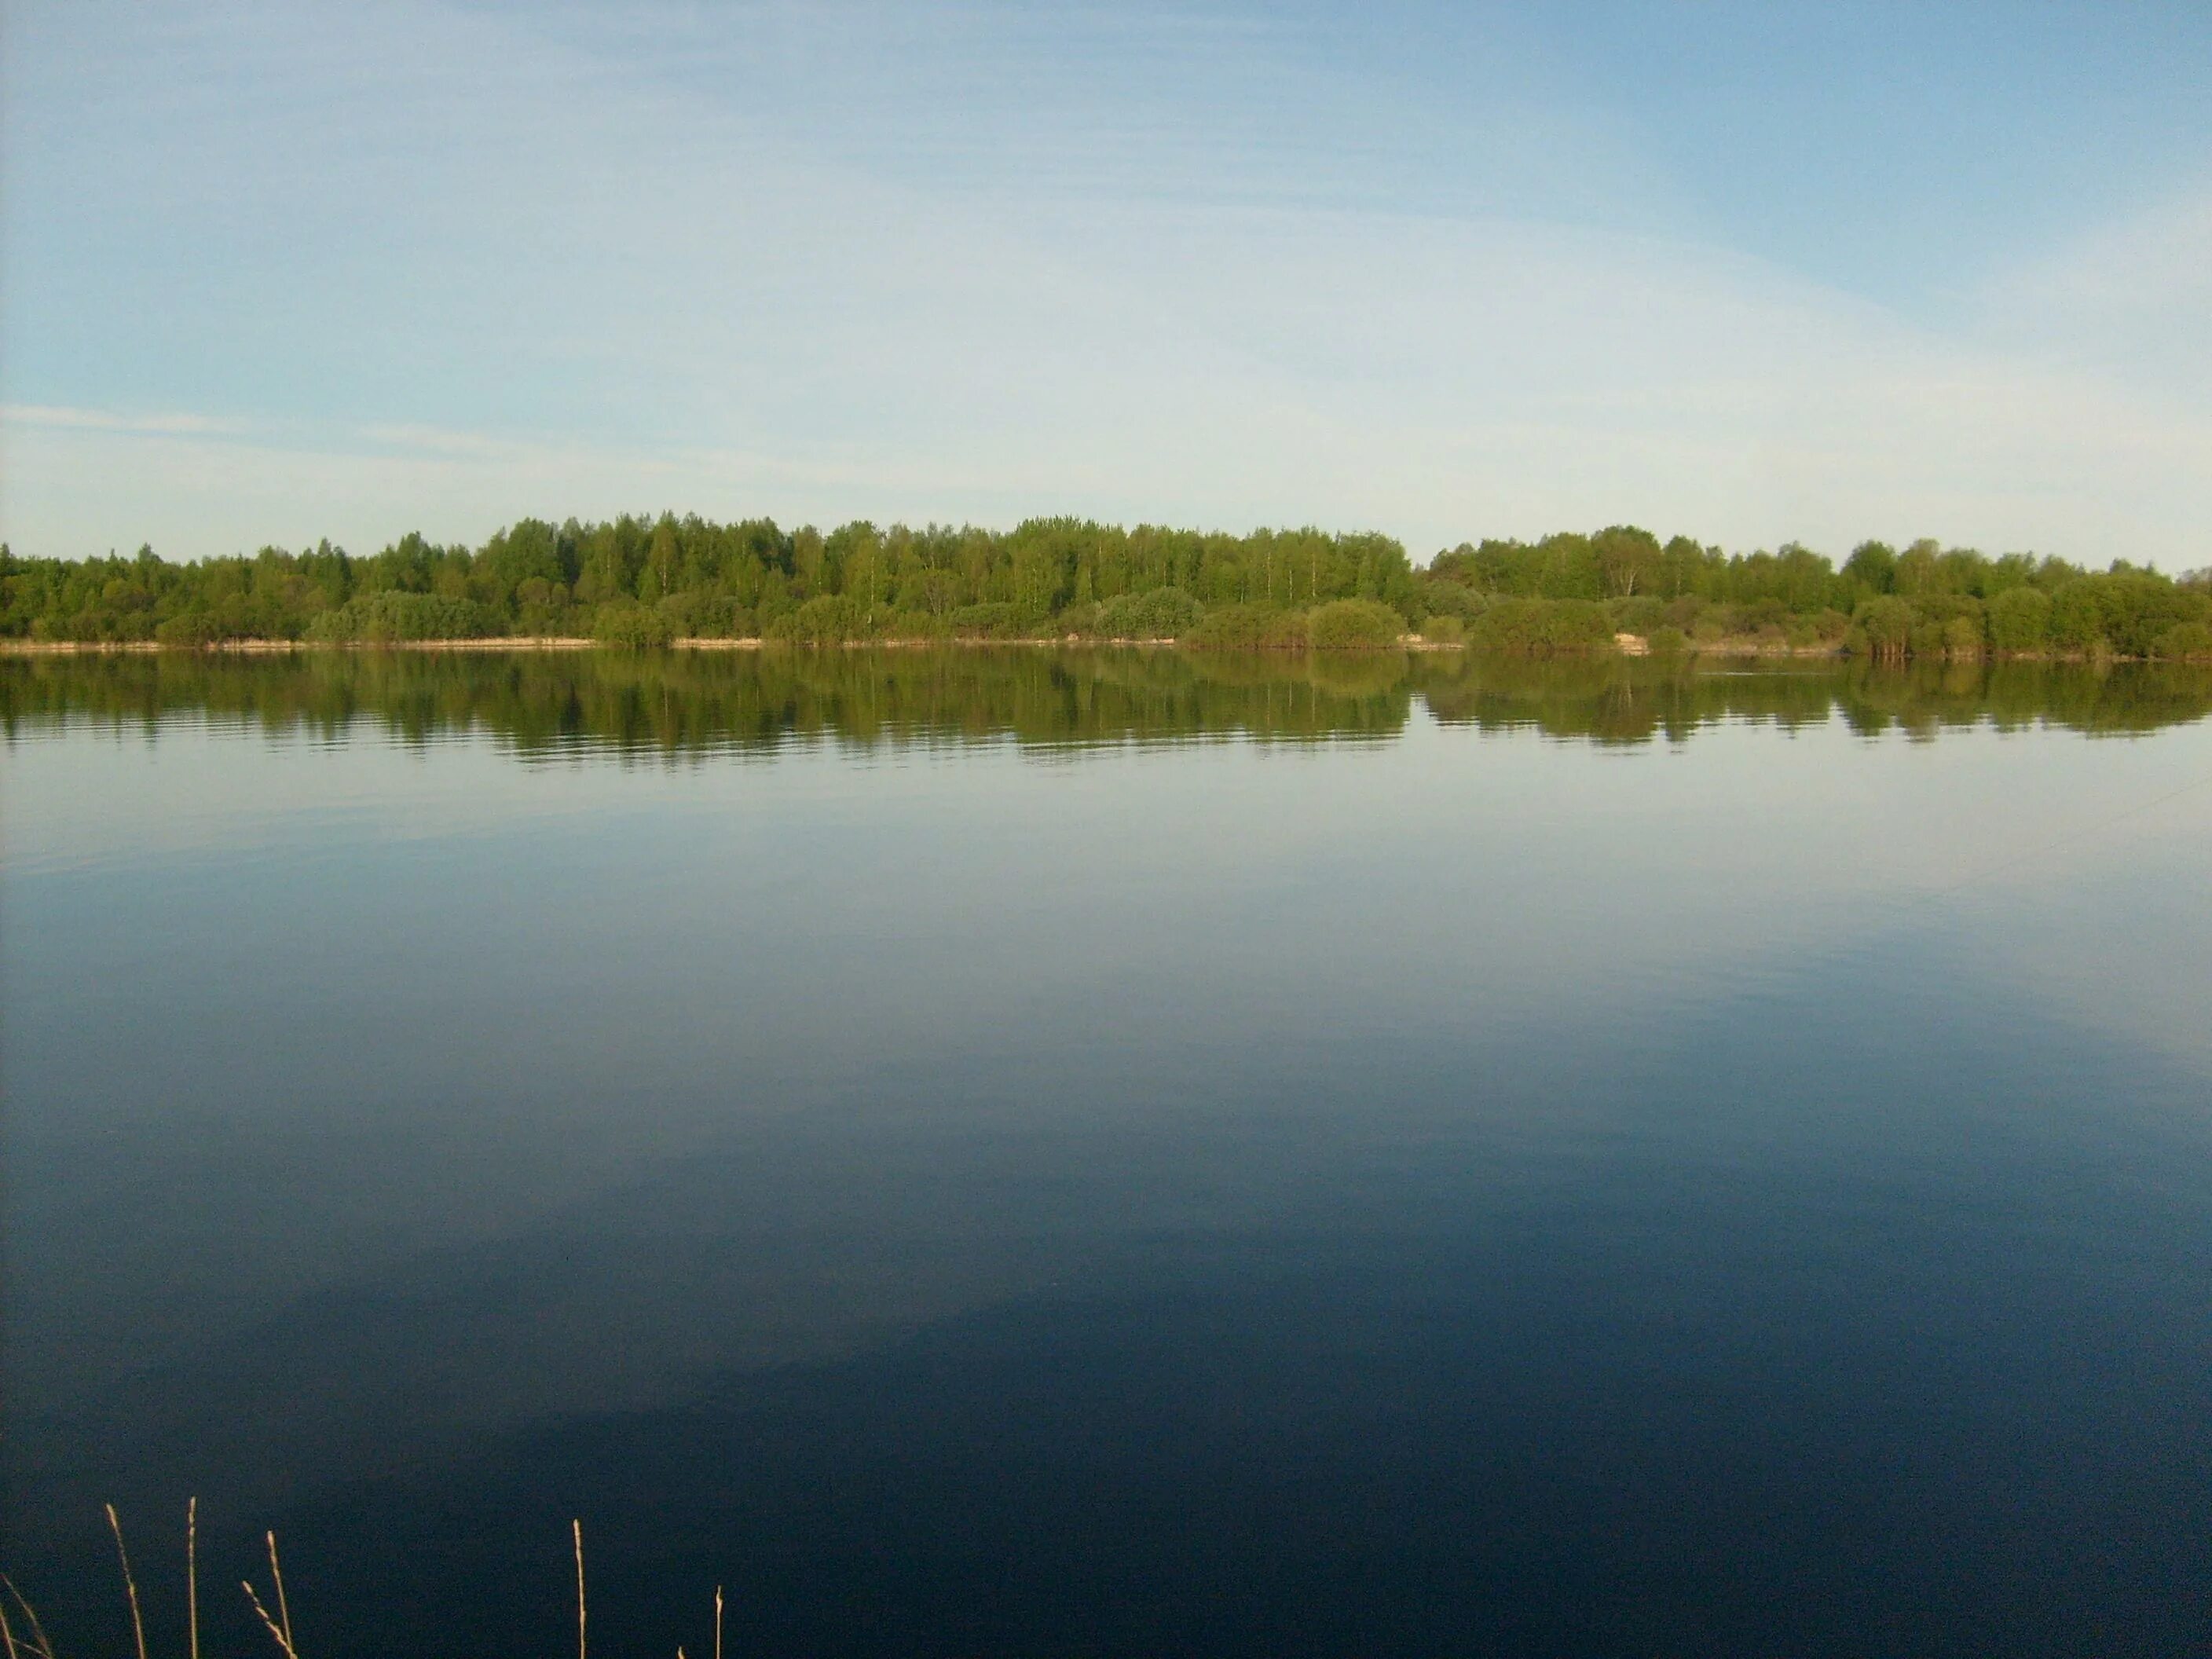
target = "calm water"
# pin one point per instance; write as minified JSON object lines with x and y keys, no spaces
{"x":1110,"y":1154}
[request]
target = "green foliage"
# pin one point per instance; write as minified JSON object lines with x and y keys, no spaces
{"x":1668,"y":641}
{"x":1439,"y":596}
{"x":2189,"y":641}
{"x":1164,"y":613}
{"x":1443,"y":630}
{"x":1248,"y":628}
{"x":186,"y":628}
{"x":826,"y":619}
{"x":1629,"y":560}
{"x":707,"y":616}
{"x":2020,"y":621}
{"x":1353,"y":625}
{"x":996,"y":619}
{"x":1822,"y":629}
{"x":392,"y":615}
{"x":1543,"y":626}
{"x":1884,"y":625}
{"x":628,"y":626}
{"x":2077,"y":618}
{"x":2140,"y":607}
{"x":1637,"y":615}
{"x":1872,"y":567}
{"x":1962,"y":637}
{"x":912,"y":625}
{"x":1049,"y":577}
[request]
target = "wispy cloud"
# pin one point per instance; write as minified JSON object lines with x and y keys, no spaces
{"x":2130,"y":297}
{"x":445,"y":443}
{"x":162,"y":424}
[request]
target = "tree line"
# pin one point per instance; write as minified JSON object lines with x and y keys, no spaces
{"x":638,"y":582}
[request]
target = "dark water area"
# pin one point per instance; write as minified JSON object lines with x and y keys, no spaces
{"x":1110,"y":1153}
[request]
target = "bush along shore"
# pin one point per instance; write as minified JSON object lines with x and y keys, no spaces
{"x":639,"y":582}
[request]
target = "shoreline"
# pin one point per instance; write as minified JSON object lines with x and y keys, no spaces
{"x":18,"y":648}
{"x":1629,"y":646}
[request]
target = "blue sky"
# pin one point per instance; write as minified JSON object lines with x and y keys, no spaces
{"x":271,"y":271}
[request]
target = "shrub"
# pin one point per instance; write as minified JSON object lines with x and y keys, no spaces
{"x":1443,"y":630}
{"x":1543,"y":626}
{"x":707,"y":616}
{"x":1353,"y":625}
{"x":826,"y":619}
{"x":2185,"y":642}
{"x":1885,"y":625}
{"x":381,"y":617}
{"x":2077,"y":617}
{"x":1962,"y":638}
{"x":1640,"y":615}
{"x":2140,"y":608}
{"x":628,"y":626}
{"x":915,"y":625}
{"x":1248,"y":628}
{"x":193,"y":628}
{"x":1441,"y":597}
{"x":1165,"y":613}
{"x":1668,"y":641}
{"x":1579,"y":625}
{"x":2019,"y":620}
{"x":996,"y":619}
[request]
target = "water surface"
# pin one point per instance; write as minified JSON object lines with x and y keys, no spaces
{"x":1113,"y":1153}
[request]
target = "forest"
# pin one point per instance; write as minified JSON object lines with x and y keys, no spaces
{"x":638,"y":582}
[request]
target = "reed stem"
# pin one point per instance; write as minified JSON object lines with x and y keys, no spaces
{"x":577,"y":1528}
{"x":284,"y":1607}
{"x":30,"y":1613}
{"x":276,"y":1634}
{"x":137,"y":1623}
{"x":192,"y":1571}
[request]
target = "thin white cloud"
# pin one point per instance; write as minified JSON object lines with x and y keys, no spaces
{"x":2130,"y":298}
{"x":2158,"y":260}
{"x":445,"y":443}
{"x":161,"y":424}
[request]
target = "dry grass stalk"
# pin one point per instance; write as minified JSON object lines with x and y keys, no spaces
{"x":8,"y":1637}
{"x":718,"y":1622}
{"x":284,"y":1608}
{"x":137,"y":1623}
{"x":31,"y":1613}
{"x":577,"y":1528}
{"x":278,"y":1636}
{"x":192,"y":1571}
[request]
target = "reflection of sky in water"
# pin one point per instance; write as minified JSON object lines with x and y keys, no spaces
{"x":1252,"y":1122}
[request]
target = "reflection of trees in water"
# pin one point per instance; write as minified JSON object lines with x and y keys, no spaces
{"x":1636,"y":700}
{"x":703,"y":703}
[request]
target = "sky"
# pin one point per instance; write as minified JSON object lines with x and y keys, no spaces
{"x":272,"y":270}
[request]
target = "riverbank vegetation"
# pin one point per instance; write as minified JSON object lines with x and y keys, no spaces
{"x":638,"y":582}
